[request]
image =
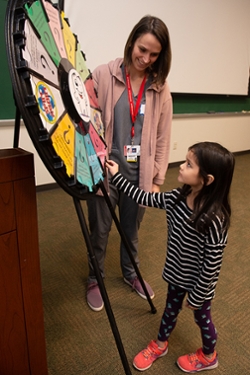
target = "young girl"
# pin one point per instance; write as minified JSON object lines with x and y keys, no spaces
{"x":198,"y":217}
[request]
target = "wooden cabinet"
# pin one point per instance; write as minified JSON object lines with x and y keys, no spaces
{"x":22,"y":337}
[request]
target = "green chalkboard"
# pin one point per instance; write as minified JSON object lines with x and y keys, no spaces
{"x":192,"y":103}
{"x":7,"y":105}
{"x":183,"y":103}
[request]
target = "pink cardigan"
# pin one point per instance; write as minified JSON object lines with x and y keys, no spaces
{"x":155,"y":139}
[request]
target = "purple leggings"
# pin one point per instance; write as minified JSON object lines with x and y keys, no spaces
{"x":202,"y":318}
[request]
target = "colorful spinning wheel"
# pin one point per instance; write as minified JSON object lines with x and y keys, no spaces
{"x":55,"y":95}
{"x":54,"y":92}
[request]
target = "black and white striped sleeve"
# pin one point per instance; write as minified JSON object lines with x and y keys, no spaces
{"x":140,"y":196}
{"x":209,"y":273}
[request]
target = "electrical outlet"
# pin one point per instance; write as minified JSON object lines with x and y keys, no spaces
{"x":175,"y":146}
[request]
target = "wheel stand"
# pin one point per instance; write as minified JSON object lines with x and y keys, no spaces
{"x":128,"y":244}
{"x":99,"y":278}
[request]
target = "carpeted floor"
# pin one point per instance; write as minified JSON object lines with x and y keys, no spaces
{"x":80,"y":341}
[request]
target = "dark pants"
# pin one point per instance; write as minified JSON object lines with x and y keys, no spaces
{"x":202,"y":318}
{"x":100,"y":221}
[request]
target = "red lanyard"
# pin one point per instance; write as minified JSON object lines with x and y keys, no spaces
{"x":134,"y":110}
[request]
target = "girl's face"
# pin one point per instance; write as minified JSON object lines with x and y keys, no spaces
{"x":189,"y":173}
{"x":145,"y":52}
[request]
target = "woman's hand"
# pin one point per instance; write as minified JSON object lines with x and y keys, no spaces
{"x":112,"y":166}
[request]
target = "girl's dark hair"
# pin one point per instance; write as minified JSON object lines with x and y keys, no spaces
{"x":213,"y":199}
{"x":153,"y":25}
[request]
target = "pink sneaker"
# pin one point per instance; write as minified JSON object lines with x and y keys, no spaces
{"x":94,"y":298}
{"x":136,"y":285}
{"x":146,"y":357}
{"x":197,"y":362}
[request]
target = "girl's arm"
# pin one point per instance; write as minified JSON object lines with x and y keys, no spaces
{"x":140,"y":196}
{"x":209,"y":273}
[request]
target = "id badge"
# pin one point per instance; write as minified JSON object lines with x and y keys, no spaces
{"x":142,"y":109}
{"x":132,"y":152}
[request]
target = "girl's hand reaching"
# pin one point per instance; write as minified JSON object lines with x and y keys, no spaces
{"x":112,"y":166}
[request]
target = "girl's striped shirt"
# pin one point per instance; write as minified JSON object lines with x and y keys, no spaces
{"x":193,"y":259}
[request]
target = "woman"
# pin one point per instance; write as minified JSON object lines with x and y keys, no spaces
{"x":136,"y":109}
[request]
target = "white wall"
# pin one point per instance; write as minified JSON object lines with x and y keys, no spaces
{"x":210,"y":39}
{"x":6,"y":141}
{"x":231,"y":131}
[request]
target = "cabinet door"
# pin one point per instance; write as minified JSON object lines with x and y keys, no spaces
{"x":13,"y":340}
{"x":7,"y":208}
{"x":29,"y":265}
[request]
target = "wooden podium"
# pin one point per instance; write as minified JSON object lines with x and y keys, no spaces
{"x":22,"y":337}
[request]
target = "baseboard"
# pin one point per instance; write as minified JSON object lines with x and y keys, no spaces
{"x":53,"y":185}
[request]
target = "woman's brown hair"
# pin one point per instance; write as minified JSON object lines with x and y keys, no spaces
{"x":153,"y":25}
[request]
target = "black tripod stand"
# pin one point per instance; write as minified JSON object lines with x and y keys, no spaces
{"x":100,"y":279}
{"x":128,"y":244}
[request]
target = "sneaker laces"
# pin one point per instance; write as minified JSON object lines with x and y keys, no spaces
{"x":148,"y":351}
{"x":151,"y":350}
{"x":193,"y":357}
